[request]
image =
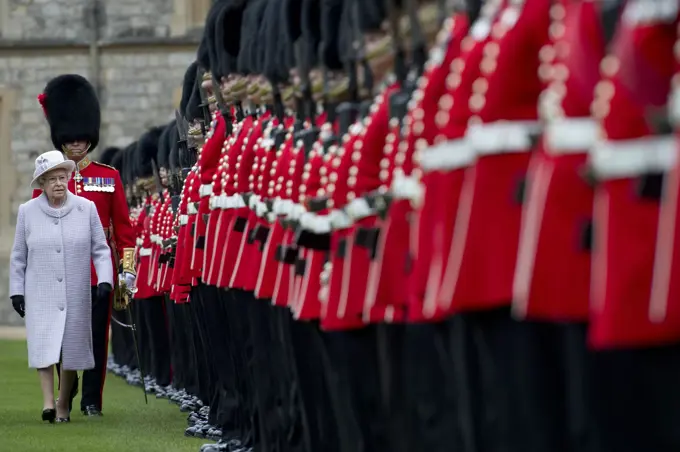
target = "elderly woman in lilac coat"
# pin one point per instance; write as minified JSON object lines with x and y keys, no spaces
{"x":57,"y":235}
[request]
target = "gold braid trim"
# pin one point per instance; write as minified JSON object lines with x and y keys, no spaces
{"x":128,"y":261}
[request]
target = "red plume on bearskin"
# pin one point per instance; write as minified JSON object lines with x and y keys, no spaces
{"x":41,"y":100}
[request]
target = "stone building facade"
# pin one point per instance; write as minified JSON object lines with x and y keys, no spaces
{"x":134,"y":51}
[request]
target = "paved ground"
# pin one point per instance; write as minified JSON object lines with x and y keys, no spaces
{"x":12,"y":332}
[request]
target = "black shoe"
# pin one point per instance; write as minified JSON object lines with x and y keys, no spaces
{"x":219,"y":447}
{"x":49,"y":415}
{"x":92,"y":411}
{"x":214,"y":434}
{"x":63,"y":420}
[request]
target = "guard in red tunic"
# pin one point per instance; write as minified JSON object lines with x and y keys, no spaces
{"x":556,"y":224}
{"x":152,"y":322}
{"x":665,"y":302}
{"x":636,"y":364}
{"x":636,"y":151}
{"x":399,"y":273}
{"x":72,"y":110}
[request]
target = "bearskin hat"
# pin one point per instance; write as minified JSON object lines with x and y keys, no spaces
{"x":129,"y":164}
{"x":164,"y":147}
{"x":173,"y":139}
{"x":147,"y":151}
{"x":188,"y":86}
{"x":72,"y":109}
{"x":331,"y":14}
{"x":117,"y":161}
{"x":193,"y":109}
{"x":107,"y":155}
{"x":228,"y":37}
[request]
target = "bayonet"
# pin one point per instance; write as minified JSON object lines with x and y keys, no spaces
{"x":157,"y":179}
{"x":224,"y":108}
{"x":205,"y":104}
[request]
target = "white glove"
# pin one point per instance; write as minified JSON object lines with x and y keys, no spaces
{"x":129,"y":279}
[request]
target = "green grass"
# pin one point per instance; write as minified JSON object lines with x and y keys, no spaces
{"x":127,"y":425}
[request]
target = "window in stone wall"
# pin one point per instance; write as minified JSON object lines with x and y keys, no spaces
{"x":189,"y":16}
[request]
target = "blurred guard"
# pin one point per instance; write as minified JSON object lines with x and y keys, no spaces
{"x":72,"y":110}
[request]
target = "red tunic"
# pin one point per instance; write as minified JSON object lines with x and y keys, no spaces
{"x":101,"y":184}
{"x":504,"y":105}
{"x":267,"y":160}
{"x":211,"y":238}
{"x":444,"y":167}
{"x":335,"y":313}
{"x":146,"y":227}
{"x":157,"y":243}
{"x":207,"y":165}
{"x":636,"y":82}
{"x":365,"y":175}
{"x":309,"y":304}
{"x":181,"y":279}
{"x":394,"y":277}
{"x":228,"y":244}
{"x":296,"y":194}
{"x":244,"y":222}
{"x":164,"y":270}
{"x":665,"y":303}
{"x":552,"y":281}
{"x":269,"y":266}
{"x":281,"y":295}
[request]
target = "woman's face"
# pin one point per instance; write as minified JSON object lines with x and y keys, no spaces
{"x":55,"y":184}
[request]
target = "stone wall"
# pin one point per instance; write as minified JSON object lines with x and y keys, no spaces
{"x":136,"y":93}
{"x":45,"y":19}
{"x":135,"y":18}
{"x":138,"y":82}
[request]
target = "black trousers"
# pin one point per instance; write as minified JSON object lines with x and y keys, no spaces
{"x":271,"y":373}
{"x":153,"y":332}
{"x":638,"y":399}
{"x":421,"y":395}
{"x":174,"y":343}
{"x":521,"y":386}
{"x":185,"y":373}
{"x":203,"y":369}
{"x":241,"y":350}
{"x":93,"y":379}
{"x":351,"y":361}
{"x":122,"y":342}
{"x":307,"y":350}
{"x":223,"y":403}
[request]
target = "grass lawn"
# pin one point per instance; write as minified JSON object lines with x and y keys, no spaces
{"x":127,"y":425}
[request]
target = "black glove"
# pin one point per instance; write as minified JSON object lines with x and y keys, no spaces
{"x":104,"y":292}
{"x":19,"y":305}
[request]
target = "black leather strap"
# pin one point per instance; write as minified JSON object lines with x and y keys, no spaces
{"x":310,"y":240}
{"x":368,"y":238}
{"x":300,"y":266}
{"x":240,"y":224}
{"x":650,"y":186}
{"x":200,"y":243}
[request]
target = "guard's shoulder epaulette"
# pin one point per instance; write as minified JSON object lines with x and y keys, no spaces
{"x":104,"y":165}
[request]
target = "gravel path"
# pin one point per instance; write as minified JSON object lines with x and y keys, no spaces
{"x":12,"y":332}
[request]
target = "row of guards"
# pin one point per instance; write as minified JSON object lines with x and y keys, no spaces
{"x":404,"y":225}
